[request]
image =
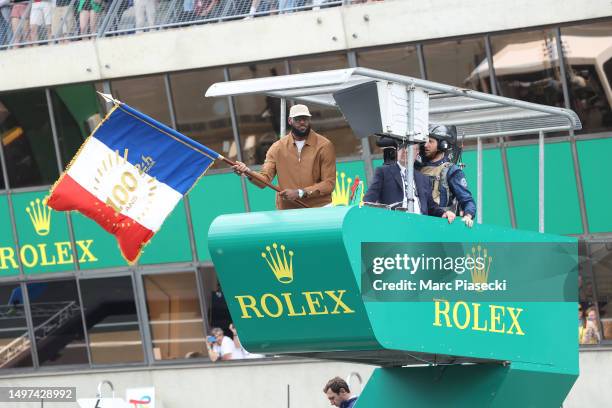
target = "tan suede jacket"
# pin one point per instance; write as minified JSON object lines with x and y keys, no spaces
{"x":313,"y":170}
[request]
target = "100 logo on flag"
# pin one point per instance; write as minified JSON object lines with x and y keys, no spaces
{"x":129,"y":175}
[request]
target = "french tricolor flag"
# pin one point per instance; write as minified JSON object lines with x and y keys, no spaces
{"x":129,"y":175}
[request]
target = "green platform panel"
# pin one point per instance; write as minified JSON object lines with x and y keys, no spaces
{"x":561,"y":211}
{"x":43,"y":235}
{"x":594,"y":156}
{"x":8,"y":259}
{"x":292,"y":280}
{"x":171,"y":242}
{"x":97,"y":247}
{"x":212,"y":196}
{"x":495,"y":197}
{"x":261,"y":199}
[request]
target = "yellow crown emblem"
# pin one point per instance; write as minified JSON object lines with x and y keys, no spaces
{"x":40,"y":215}
{"x":342,"y":193}
{"x":283,"y":269}
{"x":480,"y":270}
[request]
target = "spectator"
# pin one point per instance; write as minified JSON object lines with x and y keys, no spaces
{"x":206,"y":9}
{"x":240,"y":352}
{"x":40,"y":15}
{"x":5,"y":21}
{"x":219,"y":346}
{"x":145,"y":10}
{"x":581,"y":324}
{"x":591,"y":330}
{"x":339,"y":394}
{"x":62,"y":19}
{"x":88,"y":15}
{"x":20,"y":17}
{"x":286,"y":5}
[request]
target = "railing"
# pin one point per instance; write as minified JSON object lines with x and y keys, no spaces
{"x":60,"y":312}
{"x":25,"y":23}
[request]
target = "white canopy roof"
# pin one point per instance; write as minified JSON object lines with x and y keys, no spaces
{"x":475,"y":114}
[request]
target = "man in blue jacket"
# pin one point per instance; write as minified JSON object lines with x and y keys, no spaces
{"x":448,"y":183}
{"x":338,"y":393}
{"x":389,"y":187}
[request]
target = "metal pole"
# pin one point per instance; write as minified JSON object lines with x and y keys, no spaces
{"x":479,"y":181}
{"x":366,"y":153}
{"x":23,"y":286}
{"x":410,"y":178}
{"x":489,"y":52}
{"x":283,"y":115}
{"x":562,"y":73}
{"x":421,"y":57}
{"x":541,"y":182}
{"x":237,"y":141}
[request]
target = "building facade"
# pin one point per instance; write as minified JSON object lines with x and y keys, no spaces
{"x":72,"y":310}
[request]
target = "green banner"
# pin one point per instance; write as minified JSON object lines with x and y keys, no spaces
{"x":8,"y":265}
{"x":469,"y":271}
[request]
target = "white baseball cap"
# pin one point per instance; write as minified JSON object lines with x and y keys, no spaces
{"x":299,"y":110}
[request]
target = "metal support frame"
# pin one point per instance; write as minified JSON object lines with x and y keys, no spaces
{"x":541,"y":182}
{"x":366,"y":152}
{"x":236,"y":134}
{"x":22,"y":285}
{"x":71,"y":235}
{"x":479,"y":181}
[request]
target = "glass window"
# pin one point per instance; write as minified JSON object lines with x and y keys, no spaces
{"x":589,"y":71}
{"x":401,"y":60}
{"x":216,"y":306}
{"x":15,"y":342}
{"x":601,"y":258}
{"x":206,"y":120}
{"x":112,"y":321}
{"x":147,"y":94}
{"x":461,"y":63}
{"x":77,"y":111}
{"x":258,"y":115}
{"x":527,"y":67}
{"x":325,"y":120}
{"x":27,"y":139}
{"x":58,"y":326}
{"x":174,"y":314}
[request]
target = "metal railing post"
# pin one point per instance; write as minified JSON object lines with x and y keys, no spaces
{"x":541,"y":182}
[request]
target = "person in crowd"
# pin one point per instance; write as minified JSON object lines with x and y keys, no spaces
{"x":145,"y":11}
{"x":338,"y":393}
{"x":304,"y":162}
{"x":449,"y":185}
{"x":591,"y":334}
{"x":207,"y":9}
{"x":20,"y":20}
{"x":219,"y":346}
{"x":40,"y":17}
{"x":62,"y":19}
{"x":239,"y":351}
{"x":285,"y":6}
{"x":390,"y":185}
{"x":581,"y":324}
{"x":88,"y":15}
{"x":5,"y":22}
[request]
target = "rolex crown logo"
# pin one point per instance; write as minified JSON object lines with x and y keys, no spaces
{"x":482,"y":264}
{"x":40,"y":215}
{"x":342,"y":192}
{"x":278,"y":263}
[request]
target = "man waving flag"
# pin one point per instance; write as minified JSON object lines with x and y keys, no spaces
{"x":129,"y":174}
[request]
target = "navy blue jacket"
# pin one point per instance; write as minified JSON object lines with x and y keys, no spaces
{"x":457,"y":185}
{"x":387,"y":187}
{"x":348,"y":403}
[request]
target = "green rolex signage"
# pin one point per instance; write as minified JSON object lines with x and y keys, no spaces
{"x":305,"y":282}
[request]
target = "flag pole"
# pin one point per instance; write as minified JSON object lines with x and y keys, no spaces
{"x":252,"y":174}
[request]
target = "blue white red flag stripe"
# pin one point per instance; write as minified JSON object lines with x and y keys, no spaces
{"x":129,"y":175}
